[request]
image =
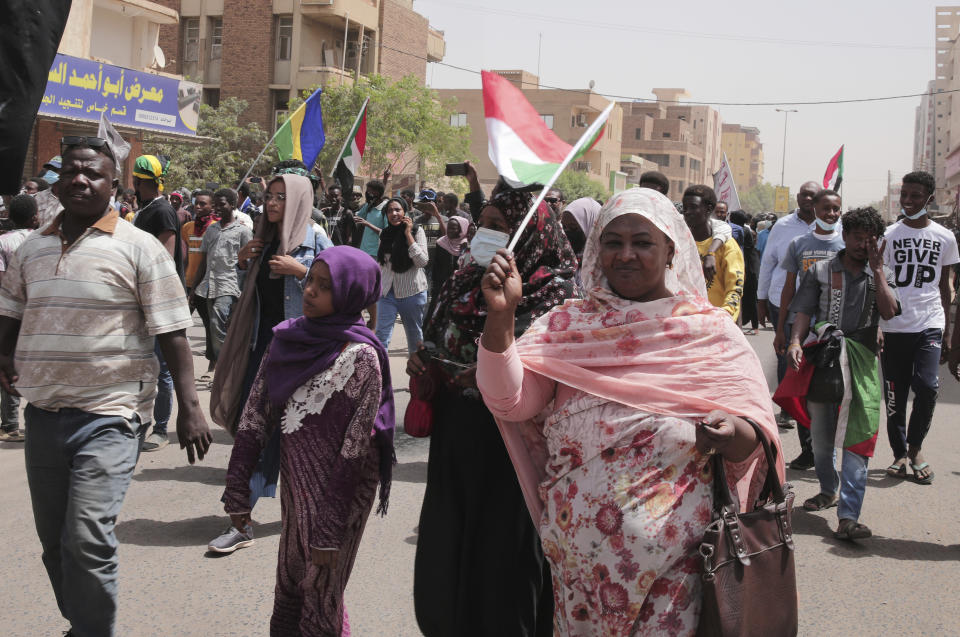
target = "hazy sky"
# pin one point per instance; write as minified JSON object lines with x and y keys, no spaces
{"x":736,"y":51}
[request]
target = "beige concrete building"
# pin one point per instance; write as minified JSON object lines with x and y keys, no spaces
{"x":684,"y":140}
{"x":925,"y":120}
{"x":947,"y":78}
{"x":566,"y":113}
{"x":744,"y":152}
{"x":277,"y":48}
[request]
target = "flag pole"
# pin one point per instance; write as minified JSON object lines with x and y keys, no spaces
{"x":347,"y":140}
{"x":588,"y":134}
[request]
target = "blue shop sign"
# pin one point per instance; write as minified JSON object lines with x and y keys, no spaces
{"x":83,"y":89}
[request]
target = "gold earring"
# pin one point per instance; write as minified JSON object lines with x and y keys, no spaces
{"x":670,"y":266}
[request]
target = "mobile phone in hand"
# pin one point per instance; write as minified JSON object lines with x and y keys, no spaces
{"x":456,"y":170}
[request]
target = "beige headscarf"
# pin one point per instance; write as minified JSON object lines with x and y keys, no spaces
{"x":226,"y":393}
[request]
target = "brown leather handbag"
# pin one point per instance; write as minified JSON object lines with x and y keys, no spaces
{"x":749,"y":581}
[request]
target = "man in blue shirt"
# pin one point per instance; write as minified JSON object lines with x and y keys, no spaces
{"x":372,"y":218}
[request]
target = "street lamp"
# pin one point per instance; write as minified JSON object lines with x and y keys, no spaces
{"x":783,"y":163}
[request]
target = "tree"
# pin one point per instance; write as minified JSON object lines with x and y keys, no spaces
{"x":408,"y":128}
{"x":575,"y":184}
{"x":221,"y":159}
{"x":760,"y":198}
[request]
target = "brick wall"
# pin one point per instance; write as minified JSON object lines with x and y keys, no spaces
{"x":403,"y":29}
{"x":170,"y":40}
{"x":247,"y":68}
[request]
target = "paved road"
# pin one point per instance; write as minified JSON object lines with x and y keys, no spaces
{"x":901,"y":582}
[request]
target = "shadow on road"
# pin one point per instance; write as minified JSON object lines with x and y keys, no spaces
{"x":411,"y":472}
{"x":805,"y":523}
{"x":204,"y":475}
{"x":193,"y":532}
{"x":876,"y":478}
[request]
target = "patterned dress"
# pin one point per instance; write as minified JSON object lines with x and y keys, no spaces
{"x":329,"y":472}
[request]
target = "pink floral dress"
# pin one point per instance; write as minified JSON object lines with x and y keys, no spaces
{"x":625,"y":510}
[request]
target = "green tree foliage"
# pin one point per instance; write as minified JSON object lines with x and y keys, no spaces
{"x":408,"y":128}
{"x":760,"y":198}
{"x":575,"y":185}
{"x":221,"y":159}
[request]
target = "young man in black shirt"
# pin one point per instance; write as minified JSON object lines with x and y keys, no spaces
{"x":158,"y":218}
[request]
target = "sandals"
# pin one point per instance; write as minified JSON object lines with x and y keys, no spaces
{"x":12,"y":436}
{"x":917,"y":468}
{"x":898,"y":469}
{"x":820,"y":502}
{"x":852,"y":530}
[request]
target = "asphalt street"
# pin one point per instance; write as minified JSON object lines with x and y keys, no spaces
{"x":900,"y":582}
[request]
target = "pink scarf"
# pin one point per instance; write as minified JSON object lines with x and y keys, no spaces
{"x":678,"y":356}
{"x":455,"y":246}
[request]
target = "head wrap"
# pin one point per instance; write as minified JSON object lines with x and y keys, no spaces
{"x":303,"y":347}
{"x":152,"y":168}
{"x":455,"y":246}
{"x":393,"y":241}
{"x":297,"y":170}
{"x":546,"y":263}
{"x":585,"y":210}
{"x":226,"y":394}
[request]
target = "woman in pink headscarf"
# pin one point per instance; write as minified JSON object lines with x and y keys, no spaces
{"x":611,"y":406}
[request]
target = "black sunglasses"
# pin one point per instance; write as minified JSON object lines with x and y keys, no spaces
{"x":551,"y":199}
{"x":98,"y":144}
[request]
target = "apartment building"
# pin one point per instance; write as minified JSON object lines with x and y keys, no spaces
{"x":946,"y":161}
{"x":683,"y":140}
{"x":566,"y":113}
{"x":744,"y":152}
{"x":267,"y":51}
{"x":109,"y":62}
{"x":923,"y":134}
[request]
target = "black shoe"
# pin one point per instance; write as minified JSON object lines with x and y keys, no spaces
{"x":802,"y":462}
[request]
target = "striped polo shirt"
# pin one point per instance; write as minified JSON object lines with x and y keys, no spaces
{"x":89,"y":312}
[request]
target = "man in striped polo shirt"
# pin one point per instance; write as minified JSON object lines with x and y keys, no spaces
{"x":81,"y":304}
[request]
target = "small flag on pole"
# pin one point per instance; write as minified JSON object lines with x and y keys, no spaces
{"x":834,"y":175}
{"x":348,"y":162}
{"x":301,"y":136}
{"x":520,"y":145}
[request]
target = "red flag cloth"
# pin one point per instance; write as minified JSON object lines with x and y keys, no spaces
{"x":834,"y":174}
{"x":791,"y":394}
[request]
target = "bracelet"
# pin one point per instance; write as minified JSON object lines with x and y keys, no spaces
{"x":712,"y":253}
{"x":795,"y":346}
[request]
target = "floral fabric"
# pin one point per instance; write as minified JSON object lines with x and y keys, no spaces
{"x":625,"y":510}
{"x":546,"y":262}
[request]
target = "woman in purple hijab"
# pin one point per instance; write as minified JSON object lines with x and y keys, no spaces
{"x":325,"y":383}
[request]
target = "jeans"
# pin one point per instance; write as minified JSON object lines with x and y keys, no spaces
{"x":802,"y":432}
{"x":163,"y":405}
{"x":411,"y":314}
{"x":79,"y":466}
{"x":9,"y":411}
{"x":219,"y":310}
{"x":910,"y":360}
{"x":852,"y":479}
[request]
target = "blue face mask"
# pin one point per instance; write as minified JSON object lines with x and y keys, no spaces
{"x":920,"y":212}
{"x":826,"y":227}
{"x":485,"y":244}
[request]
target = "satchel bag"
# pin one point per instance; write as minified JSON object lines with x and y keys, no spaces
{"x":749,"y":580}
{"x":826,"y":385}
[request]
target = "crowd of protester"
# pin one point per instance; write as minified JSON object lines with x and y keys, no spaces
{"x":633,"y":313}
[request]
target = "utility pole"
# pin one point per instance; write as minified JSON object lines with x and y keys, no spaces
{"x":783,"y":163}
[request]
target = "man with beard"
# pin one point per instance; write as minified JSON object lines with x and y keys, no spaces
{"x":157,"y":217}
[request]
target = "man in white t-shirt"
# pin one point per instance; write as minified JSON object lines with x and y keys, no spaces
{"x":921,"y":253}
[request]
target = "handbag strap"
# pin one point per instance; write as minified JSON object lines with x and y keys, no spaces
{"x":772,"y":485}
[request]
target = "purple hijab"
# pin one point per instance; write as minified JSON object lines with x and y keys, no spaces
{"x":304,"y":347}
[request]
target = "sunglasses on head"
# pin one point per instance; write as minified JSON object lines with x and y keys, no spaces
{"x":98,"y":144}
